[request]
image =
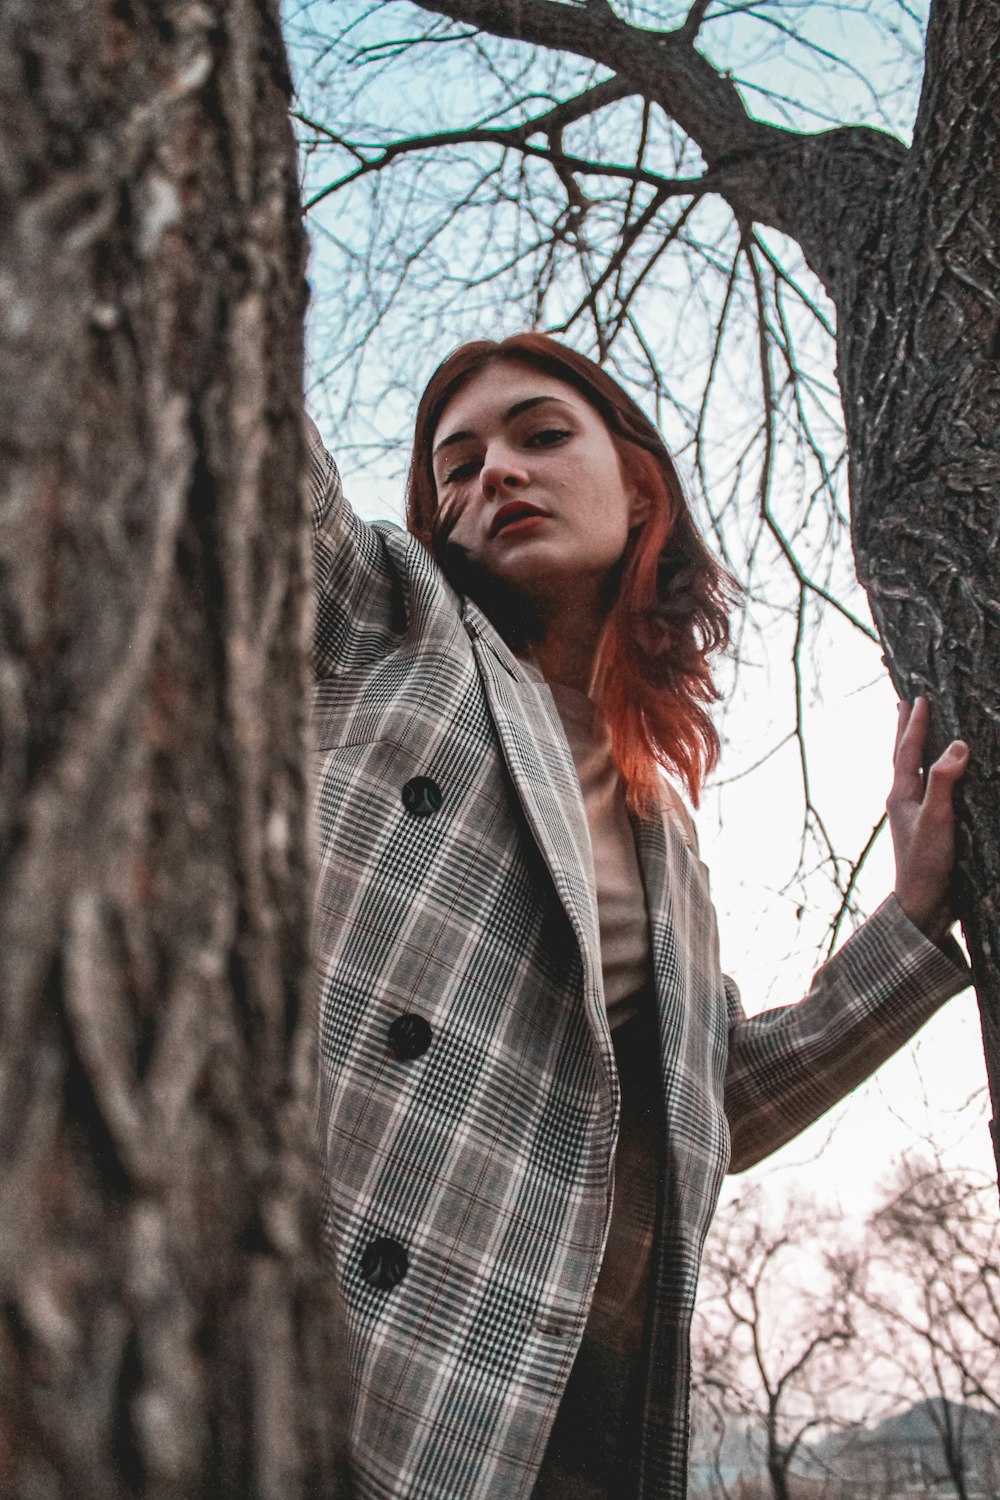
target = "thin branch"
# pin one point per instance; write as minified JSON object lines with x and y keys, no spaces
{"x":856,"y":869}
{"x":640,"y":157}
{"x":767,"y":515}
{"x":710,"y":377}
{"x":693,"y":20}
{"x":748,"y":770}
{"x":512,"y":137}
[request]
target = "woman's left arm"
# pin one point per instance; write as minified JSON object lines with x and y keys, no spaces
{"x":788,"y":1066}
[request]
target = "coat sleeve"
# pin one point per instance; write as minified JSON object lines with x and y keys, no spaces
{"x":789,"y":1066}
{"x":360,"y":613}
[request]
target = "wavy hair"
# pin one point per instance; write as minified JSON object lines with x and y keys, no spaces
{"x":652,"y":681}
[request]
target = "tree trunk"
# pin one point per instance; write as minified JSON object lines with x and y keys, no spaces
{"x":777,"y":1453}
{"x":919,"y":338}
{"x":166,"y":1327}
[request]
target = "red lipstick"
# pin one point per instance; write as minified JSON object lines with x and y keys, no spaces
{"x":511,"y":513}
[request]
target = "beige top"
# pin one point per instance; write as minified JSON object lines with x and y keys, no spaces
{"x":592,"y":1435}
{"x":621,"y":896}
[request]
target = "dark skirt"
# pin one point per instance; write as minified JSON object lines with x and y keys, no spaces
{"x":593,"y":1450}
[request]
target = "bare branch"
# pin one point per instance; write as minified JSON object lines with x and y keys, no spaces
{"x":692,"y":21}
{"x":766,"y":512}
{"x":818,"y":176}
{"x":505,"y":138}
{"x":663,"y":65}
{"x":856,"y":868}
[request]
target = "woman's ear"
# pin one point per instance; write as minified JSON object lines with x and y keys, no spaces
{"x":639,"y":507}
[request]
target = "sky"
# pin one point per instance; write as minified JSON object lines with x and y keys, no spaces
{"x":772,"y":927}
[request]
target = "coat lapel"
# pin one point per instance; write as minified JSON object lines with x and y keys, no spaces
{"x":655,"y":846}
{"x":544,"y":777}
{"x":693,"y":1040}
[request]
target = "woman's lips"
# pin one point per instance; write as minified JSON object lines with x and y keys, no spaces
{"x":515,"y":517}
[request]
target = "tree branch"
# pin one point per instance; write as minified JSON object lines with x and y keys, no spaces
{"x":663,"y":65}
{"x":800,"y":184}
{"x":506,"y":138}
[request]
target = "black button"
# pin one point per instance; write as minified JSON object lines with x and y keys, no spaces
{"x":384,"y":1263}
{"x":422,"y":796}
{"x":409,"y":1036}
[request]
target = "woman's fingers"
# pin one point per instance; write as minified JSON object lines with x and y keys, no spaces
{"x":910,"y":735}
{"x":921,"y":818}
{"x":904,"y":711}
{"x":943,"y":776}
{"x":910,"y":782}
{"x":907,"y":757}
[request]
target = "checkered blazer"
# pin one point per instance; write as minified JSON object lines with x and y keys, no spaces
{"x":469,"y":1100}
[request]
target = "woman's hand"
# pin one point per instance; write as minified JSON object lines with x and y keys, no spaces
{"x":922,"y":822}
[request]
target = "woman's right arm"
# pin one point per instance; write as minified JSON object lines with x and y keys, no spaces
{"x":360,"y":612}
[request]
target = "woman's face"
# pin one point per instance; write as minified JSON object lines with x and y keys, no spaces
{"x":530,"y":486}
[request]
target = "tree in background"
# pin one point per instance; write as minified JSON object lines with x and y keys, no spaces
{"x":166,"y":1328}
{"x":776,"y":1345}
{"x":832,"y":1360}
{"x":693,"y":192}
{"x":934,"y":1286}
{"x":928,"y":1315}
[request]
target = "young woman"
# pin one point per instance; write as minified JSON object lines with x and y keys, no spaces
{"x":533,"y":1072}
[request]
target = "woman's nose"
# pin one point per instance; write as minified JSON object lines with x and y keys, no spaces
{"x":501,"y":472}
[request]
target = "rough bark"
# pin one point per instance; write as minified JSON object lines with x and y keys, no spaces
{"x":919,"y":339}
{"x":905,"y":241}
{"x":166,"y":1327}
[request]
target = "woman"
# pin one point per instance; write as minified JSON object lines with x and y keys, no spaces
{"x":533,"y":1073}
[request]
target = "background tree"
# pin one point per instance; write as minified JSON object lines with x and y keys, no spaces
{"x":776,"y":1350}
{"x":675,"y":192}
{"x":166,"y":1327}
{"x":830,"y":1357}
{"x":928,"y":1319}
{"x":934,"y":1282}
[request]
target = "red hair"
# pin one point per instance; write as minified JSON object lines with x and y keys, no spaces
{"x":653,"y":682}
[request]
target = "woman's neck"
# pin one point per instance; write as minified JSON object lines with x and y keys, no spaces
{"x":566,"y":648}
{"x":568,"y":663}
{"x":560,"y":635}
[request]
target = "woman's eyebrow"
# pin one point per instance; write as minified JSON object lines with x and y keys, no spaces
{"x":520,"y":406}
{"x":511,"y":412}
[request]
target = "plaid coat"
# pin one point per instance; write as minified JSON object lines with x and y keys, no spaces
{"x":469,"y":1101}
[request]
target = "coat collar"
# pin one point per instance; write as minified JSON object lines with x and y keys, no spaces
{"x":541,"y":769}
{"x":544,"y":777}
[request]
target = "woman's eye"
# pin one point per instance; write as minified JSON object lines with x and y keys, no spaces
{"x":547,"y":437}
{"x":461,"y":471}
